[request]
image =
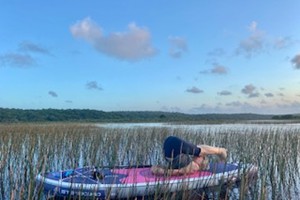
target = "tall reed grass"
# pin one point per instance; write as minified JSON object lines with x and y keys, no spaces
{"x":28,"y":149}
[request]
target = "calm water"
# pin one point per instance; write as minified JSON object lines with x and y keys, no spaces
{"x":238,"y":127}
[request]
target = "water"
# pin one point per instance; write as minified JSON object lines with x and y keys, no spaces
{"x":236,"y":127}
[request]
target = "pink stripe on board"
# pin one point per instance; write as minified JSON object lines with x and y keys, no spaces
{"x":144,"y":175}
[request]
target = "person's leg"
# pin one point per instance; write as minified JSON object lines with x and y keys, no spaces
{"x":210,"y":150}
{"x":174,"y":146}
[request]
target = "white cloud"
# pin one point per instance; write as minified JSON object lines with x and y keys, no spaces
{"x":216,"y":69}
{"x":250,"y":90}
{"x":178,"y":46}
{"x":219,"y":69}
{"x":252,"y":44}
{"x":132,"y":45}
{"x":283,"y":42}
{"x":87,"y":30}
{"x":253,"y":26}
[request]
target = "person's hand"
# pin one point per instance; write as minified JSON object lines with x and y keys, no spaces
{"x":202,"y":163}
{"x":222,"y":154}
{"x":157,"y":170}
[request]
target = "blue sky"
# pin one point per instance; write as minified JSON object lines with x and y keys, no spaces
{"x":193,"y":57}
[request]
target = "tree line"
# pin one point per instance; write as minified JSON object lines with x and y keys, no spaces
{"x":87,"y":115}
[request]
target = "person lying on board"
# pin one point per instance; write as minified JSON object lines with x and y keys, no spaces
{"x":186,"y":158}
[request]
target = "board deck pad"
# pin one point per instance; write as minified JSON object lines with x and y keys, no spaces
{"x":131,"y":175}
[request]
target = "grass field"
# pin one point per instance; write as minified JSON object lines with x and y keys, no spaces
{"x":28,"y":149}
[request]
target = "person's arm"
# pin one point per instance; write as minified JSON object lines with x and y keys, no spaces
{"x":190,"y":168}
{"x":210,"y":150}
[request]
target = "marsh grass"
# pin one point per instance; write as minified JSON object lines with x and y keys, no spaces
{"x":29,"y":149}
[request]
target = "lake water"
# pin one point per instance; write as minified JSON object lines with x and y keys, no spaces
{"x":239,"y":127}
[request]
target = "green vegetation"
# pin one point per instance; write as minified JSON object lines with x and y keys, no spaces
{"x":286,"y":117}
{"x":86,"y":115}
{"x":28,"y":149}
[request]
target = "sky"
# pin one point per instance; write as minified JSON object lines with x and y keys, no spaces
{"x":192,"y":56}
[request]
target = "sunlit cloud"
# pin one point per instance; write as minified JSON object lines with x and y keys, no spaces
{"x":131,"y":45}
{"x":178,"y":46}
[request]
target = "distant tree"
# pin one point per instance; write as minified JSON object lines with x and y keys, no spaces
{"x":162,"y":116}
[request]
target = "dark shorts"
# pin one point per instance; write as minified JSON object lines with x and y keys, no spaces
{"x":178,"y":152}
{"x":180,"y":161}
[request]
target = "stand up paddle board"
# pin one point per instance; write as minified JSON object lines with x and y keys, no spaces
{"x":125,"y":182}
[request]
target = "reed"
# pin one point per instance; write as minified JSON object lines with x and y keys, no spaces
{"x":29,"y":149}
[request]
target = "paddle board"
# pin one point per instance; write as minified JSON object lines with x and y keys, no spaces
{"x":125,"y":182}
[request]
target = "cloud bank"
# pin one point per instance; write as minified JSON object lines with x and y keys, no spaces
{"x":131,"y":45}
